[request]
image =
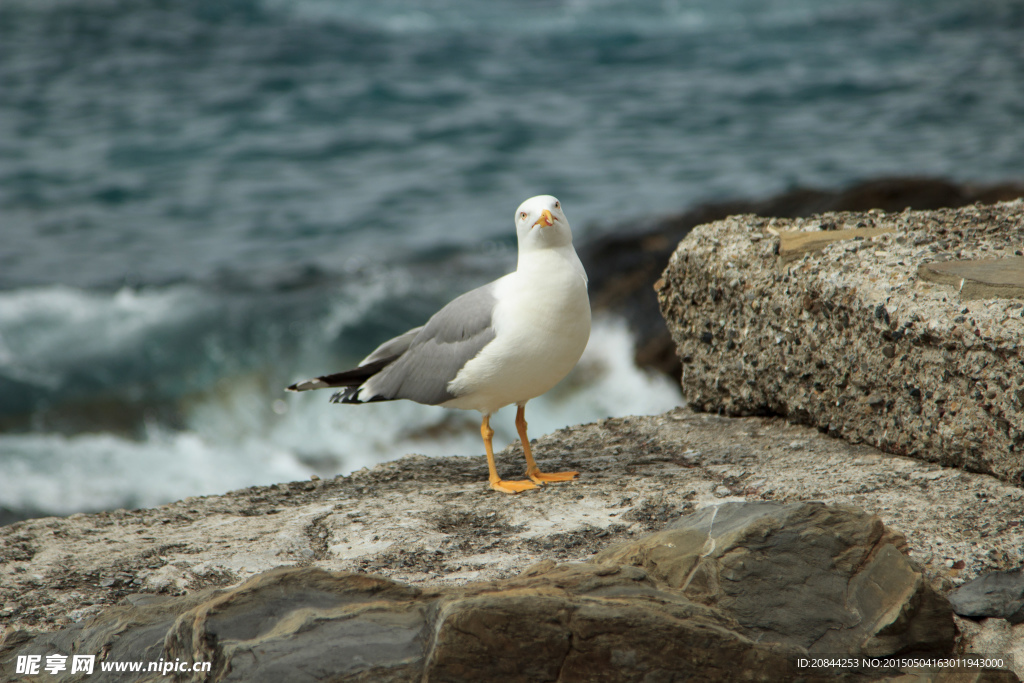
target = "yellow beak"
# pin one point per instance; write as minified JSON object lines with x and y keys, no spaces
{"x":545,"y":219}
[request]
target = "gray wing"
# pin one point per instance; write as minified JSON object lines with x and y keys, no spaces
{"x":393,"y":347}
{"x":436,"y":352}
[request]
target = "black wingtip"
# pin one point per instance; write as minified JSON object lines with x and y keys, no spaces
{"x":347,"y":395}
{"x":351,"y":380}
{"x":307,"y":385}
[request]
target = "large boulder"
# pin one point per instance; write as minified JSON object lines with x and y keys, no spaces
{"x":624,"y":261}
{"x":825,"y":579}
{"x":900,"y":330}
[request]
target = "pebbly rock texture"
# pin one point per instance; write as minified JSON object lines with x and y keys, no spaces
{"x":731,"y":593}
{"x":850,"y":339}
{"x":624,"y":262}
{"x":995,"y":594}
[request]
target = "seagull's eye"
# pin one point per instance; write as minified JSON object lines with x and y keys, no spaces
{"x":522,"y":214}
{"x":557,"y":205}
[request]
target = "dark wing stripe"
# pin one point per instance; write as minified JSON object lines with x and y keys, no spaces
{"x":349,"y":378}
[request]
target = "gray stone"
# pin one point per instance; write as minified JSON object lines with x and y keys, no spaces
{"x":855,"y":342}
{"x":825,"y":579}
{"x":736,"y":593}
{"x":303,"y":625}
{"x":995,"y":594}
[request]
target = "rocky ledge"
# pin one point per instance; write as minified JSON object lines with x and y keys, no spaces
{"x":425,"y":548}
{"x":735,"y":592}
{"x":902,"y":330}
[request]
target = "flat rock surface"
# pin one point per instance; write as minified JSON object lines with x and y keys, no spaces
{"x":850,"y":338}
{"x":979,"y":279}
{"x":433,"y":521}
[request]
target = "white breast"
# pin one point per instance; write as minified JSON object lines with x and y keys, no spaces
{"x":541,"y":323}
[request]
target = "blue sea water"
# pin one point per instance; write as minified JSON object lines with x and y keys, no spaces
{"x":204,"y":200}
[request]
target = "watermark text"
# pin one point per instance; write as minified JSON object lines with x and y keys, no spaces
{"x":35,"y":665}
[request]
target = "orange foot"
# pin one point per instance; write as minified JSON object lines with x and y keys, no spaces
{"x":512,"y":486}
{"x":542,"y":478}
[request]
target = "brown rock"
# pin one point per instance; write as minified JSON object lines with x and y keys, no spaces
{"x":825,"y":579}
{"x":979,"y":279}
{"x":795,"y":243}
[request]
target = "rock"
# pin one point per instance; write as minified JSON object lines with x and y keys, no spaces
{"x":625,"y":261}
{"x":979,"y":279}
{"x":995,"y":594}
{"x":990,"y":636}
{"x":430,"y":523}
{"x":795,"y":243}
{"x":824,"y":579}
{"x":850,"y":339}
{"x":303,"y":624}
{"x":586,"y":622}
{"x":734,"y":593}
{"x":560,"y":622}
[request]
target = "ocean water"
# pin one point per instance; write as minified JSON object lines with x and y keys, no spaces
{"x":202,"y":201}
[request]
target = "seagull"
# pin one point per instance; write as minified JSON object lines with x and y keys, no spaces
{"x":506,"y":342}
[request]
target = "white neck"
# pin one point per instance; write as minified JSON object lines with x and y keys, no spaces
{"x":530,"y":259}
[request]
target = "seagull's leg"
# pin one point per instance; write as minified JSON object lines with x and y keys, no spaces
{"x":496,"y":483}
{"x":532,"y":471}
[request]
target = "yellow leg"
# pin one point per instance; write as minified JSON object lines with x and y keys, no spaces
{"x":532,"y":471}
{"x":496,"y":483}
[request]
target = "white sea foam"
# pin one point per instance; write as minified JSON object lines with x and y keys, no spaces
{"x":60,"y":475}
{"x":44,"y":330}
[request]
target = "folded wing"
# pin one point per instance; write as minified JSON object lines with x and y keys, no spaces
{"x":419,"y":364}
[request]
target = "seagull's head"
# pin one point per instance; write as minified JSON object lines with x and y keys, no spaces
{"x":540,"y":223}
